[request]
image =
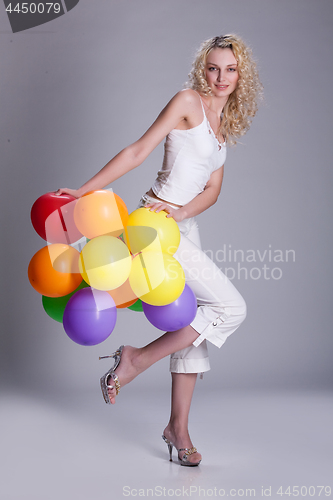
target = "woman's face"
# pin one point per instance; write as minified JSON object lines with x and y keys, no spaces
{"x":221,"y":72}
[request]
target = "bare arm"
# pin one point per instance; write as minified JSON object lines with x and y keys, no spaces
{"x":179,"y":108}
{"x":199,"y":204}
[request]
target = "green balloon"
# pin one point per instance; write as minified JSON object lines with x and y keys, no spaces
{"x":55,"y":306}
{"x":137,"y":306}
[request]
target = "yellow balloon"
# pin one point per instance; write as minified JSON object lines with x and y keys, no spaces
{"x":157,"y":278}
{"x":151,"y":231}
{"x":105,"y":262}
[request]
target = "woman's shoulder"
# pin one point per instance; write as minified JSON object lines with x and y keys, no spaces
{"x":188,"y":100}
{"x":189,"y":96}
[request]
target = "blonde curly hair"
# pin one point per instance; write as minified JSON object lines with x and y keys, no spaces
{"x":242,"y":104}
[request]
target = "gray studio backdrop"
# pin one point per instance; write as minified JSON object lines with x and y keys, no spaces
{"x":78,"y":89}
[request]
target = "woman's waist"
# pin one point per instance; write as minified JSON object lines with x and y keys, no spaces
{"x":153,"y":196}
{"x":185,"y":225}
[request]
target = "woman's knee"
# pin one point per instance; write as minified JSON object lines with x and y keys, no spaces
{"x":238,"y":311}
{"x":243,"y":310}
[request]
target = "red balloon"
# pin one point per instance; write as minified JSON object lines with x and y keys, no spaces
{"x":52,"y":218}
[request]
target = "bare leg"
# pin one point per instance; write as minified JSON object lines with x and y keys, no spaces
{"x":181,"y":396}
{"x":136,"y":360}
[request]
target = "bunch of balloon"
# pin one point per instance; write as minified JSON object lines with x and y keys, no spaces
{"x":126,"y":261}
{"x":75,"y":284}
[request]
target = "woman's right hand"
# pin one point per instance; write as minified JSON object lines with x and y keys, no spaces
{"x":72,"y":192}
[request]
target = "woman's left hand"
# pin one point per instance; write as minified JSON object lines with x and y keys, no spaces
{"x":172,"y":212}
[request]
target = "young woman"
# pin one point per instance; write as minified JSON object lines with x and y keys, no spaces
{"x":198,"y":123}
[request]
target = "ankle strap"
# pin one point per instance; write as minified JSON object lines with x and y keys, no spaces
{"x":188,"y":451}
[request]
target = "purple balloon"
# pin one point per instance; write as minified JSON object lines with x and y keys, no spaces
{"x":173,"y":316}
{"x":90,"y":316}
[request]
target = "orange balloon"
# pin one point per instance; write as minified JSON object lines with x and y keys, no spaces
{"x":54,"y":270}
{"x":123,"y":295}
{"x":99,"y":213}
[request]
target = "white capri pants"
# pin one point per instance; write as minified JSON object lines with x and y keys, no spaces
{"x":221,"y":308}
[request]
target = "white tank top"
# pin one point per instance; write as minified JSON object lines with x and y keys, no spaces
{"x":190,"y":157}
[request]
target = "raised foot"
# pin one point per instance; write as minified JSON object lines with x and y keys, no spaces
{"x":125,"y":369}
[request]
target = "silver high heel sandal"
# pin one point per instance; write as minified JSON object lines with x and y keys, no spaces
{"x":110,"y":374}
{"x":184,"y":459}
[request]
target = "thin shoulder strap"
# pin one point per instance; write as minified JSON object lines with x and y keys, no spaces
{"x":203,"y":109}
